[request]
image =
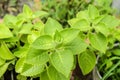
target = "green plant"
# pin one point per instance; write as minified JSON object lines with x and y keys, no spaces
{"x":50,"y":51}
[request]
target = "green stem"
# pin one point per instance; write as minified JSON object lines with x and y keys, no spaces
{"x":12,"y":75}
{"x":107,"y":74}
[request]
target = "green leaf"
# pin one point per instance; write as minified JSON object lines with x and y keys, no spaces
{"x":43,"y":42}
{"x":83,"y":15}
{"x":5,"y":32}
{"x":53,"y":74}
{"x":5,"y":53}
{"x":19,"y":65}
{"x":2,"y":61}
{"x":87,"y":61}
{"x":93,"y":12}
{"x":83,"y":25}
{"x":116,"y":52}
{"x":36,"y":56}
{"x":77,"y":45}
{"x":37,"y":14}
{"x":26,"y":28}
{"x":69,"y":34}
{"x":3,"y":69}
{"x":51,"y":26}
{"x":57,"y":37}
{"x":63,"y":61}
{"x":101,"y":27}
{"x":44,"y":76}
{"x":27,"y":11}
{"x":110,"y":21}
{"x":98,"y":41}
{"x":32,"y":70}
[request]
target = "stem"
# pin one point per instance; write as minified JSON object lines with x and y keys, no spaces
{"x":12,"y":75}
{"x":107,"y":74}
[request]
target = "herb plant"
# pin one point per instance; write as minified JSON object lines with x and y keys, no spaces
{"x":51,"y":52}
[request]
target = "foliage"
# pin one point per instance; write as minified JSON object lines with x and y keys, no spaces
{"x":50,"y":51}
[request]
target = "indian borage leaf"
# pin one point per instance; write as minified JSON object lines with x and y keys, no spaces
{"x":36,"y":56}
{"x":3,"y":69}
{"x":44,"y":76}
{"x":43,"y":42}
{"x":53,"y":74}
{"x":51,"y":26}
{"x":87,"y":61}
{"x":2,"y":61}
{"x":93,"y":12}
{"x":77,"y":45}
{"x":98,"y":41}
{"x":5,"y":53}
{"x":32,"y":70}
{"x":69,"y":34}
{"x":63,"y":61}
{"x":27,"y":11}
{"x":57,"y":37}
{"x":5,"y":32}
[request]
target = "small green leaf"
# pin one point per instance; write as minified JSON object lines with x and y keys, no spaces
{"x":98,"y":41}
{"x":93,"y":12}
{"x":87,"y":61}
{"x":62,"y":63}
{"x":43,"y":42}
{"x":37,"y":14}
{"x":77,"y":45}
{"x":36,"y":56}
{"x":116,"y":52}
{"x":32,"y":70}
{"x":3,"y":69}
{"x":5,"y":32}
{"x":109,"y":63}
{"x":83,"y":15}
{"x":51,"y":26}
{"x":57,"y":37}
{"x":27,"y":11}
{"x":69,"y":34}
{"x":2,"y":61}
{"x":5,"y":53}
{"x":53,"y":74}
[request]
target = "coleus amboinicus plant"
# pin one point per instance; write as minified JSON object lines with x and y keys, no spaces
{"x":50,"y":51}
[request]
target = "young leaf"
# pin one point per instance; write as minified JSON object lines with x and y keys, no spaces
{"x":51,"y":26}
{"x":98,"y":41}
{"x":69,"y":34}
{"x":5,"y":53}
{"x":87,"y":61}
{"x":36,"y":56}
{"x":53,"y":74}
{"x":83,"y":15}
{"x":3,"y":69}
{"x":116,"y":52}
{"x":77,"y":45}
{"x":93,"y":12}
{"x":57,"y":37}
{"x":32,"y":70}
{"x":27,"y":11}
{"x":43,"y":42}
{"x":37,"y":14}
{"x":5,"y":32}
{"x":63,"y":61}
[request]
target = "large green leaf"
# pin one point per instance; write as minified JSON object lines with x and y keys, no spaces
{"x":77,"y":45}
{"x":5,"y":32}
{"x":98,"y":41}
{"x":87,"y":61}
{"x":36,"y":56}
{"x":5,"y":53}
{"x":53,"y":74}
{"x":3,"y":69}
{"x":32,"y":70}
{"x":51,"y":26}
{"x":69,"y":34}
{"x":43,"y":42}
{"x":93,"y":12}
{"x":83,"y":25}
{"x":63,"y":61}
